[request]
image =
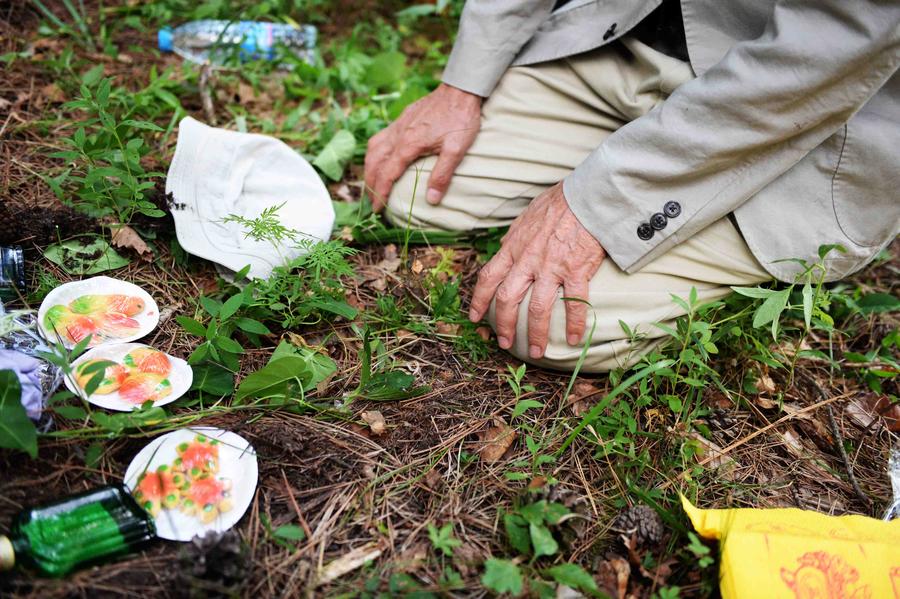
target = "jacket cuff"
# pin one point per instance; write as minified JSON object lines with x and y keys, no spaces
{"x":617,"y":220}
{"x":473,"y":67}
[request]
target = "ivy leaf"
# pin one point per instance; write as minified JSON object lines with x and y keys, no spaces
{"x":336,"y":154}
{"x":77,"y":258}
{"x":16,"y":429}
{"x":502,"y":576}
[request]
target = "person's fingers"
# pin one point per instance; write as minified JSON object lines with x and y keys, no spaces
{"x":576,"y":311}
{"x":510,"y":294}
{"x":389,"y":171}
{"x":449,"y":158}
{"x":540,"y":307}
{"x":376,"y":150}
{"x":489,"y":278}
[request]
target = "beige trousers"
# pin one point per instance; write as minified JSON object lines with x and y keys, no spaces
{"x":537,"y":126}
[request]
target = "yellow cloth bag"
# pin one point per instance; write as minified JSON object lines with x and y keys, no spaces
{"x":775,"y":553}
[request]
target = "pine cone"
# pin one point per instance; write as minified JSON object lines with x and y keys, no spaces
{"x":642,"y":522}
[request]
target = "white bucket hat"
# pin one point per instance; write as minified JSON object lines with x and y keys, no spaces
{"x":216,"y":173}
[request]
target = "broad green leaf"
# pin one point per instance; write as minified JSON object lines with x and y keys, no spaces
{"x":142,"y":125}
{"x":192,"y":326}
{"x":502,"y":576}
{"x":517,"y":532}
{"x":213,"y":379}
{"x":542,"y":540}
{"x":756,"y":292}
{"x":71,"y":412}
{"x":231,"y":306}
{"x":807,"y":303}
{"x":16,"y":428}
{"x":93,"y":454}
{"x":878,"y":302}
{"x":91,"y":77}
{"x":211,"y":306}
{"x":249,"y":325}
{"x":229,"y":345}
{"x":76,"y":258}
{"x":386,"y":69}
{"x":339,"y":307}
{"x":524,"y":405}
{"x":771,"y":309}
{"x":275,"y":379}
{"x":336,"y":154}
{"x":574,"y":576}
{"x":289,"y":532}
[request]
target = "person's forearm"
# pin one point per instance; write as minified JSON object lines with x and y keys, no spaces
{"x":491,"y":33}
{"x":722,"y":137}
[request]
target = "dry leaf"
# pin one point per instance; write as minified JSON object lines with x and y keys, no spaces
{"x":375,"y":421}
{"x":614,"y":574}
{"x":484,"y":332}
{"x":865,"y":411}
{"x":349,"y":562}
{"x":765,"y":384}
{"x":497,"y":440}
{"x":444,"y":328}
{"x":717,"y":457}
{"x":126,"y":237}
{"x":346,"y":233}
{"x":343,"y":192}
{"x":580,"y":399}
{"x":52,"y":93}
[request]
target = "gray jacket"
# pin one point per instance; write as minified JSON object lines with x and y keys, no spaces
{"x":792,"y":123}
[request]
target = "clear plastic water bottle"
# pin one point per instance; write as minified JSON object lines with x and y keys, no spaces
{"x":214,"y":41}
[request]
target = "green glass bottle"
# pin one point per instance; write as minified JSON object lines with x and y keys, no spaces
{"x":58,"y":537}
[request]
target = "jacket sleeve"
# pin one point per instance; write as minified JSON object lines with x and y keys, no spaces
{"x":720,"y":138}
{"x":491,"y":33}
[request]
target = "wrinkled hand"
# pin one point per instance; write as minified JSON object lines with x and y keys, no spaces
{"x":445,"y":122}
{"x":546,"y":246}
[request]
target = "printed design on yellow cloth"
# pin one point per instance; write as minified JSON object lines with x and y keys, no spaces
{"x":789,"y":552}
{"x":190,"y":484}
{"x":820,"y":574}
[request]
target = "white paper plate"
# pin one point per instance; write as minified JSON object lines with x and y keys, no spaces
{"x":62,"y":295}
{"x":237,"y":462}
{"x":180,"y":377}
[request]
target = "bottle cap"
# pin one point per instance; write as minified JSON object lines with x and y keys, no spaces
{"x":7,"y":554}
{"x":164,"y":39}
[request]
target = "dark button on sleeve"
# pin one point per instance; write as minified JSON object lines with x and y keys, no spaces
{"x":645,"y":231}
{"x":659,"y":221}
{"x":672,"y":209}
{"x":610,"y":32}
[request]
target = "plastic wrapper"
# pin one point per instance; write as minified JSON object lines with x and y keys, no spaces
{"x":800,"y":553}
{"x":18,"y":334}
{"x":894,"y":473}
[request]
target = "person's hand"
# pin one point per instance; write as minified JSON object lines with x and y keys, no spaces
{"x":546,"y":246}
{"x":445,"y":122}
